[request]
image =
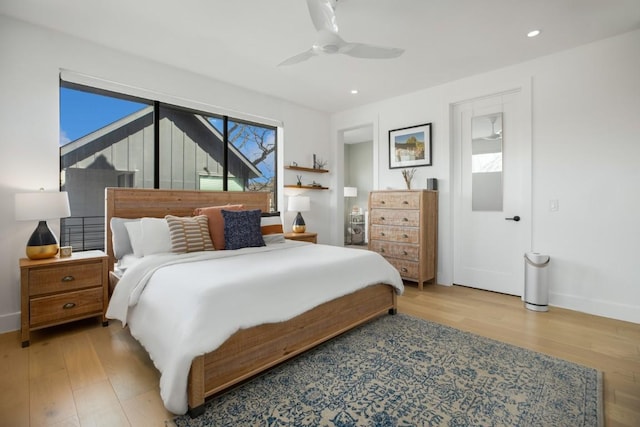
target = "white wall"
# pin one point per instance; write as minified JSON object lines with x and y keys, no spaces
{"x":586,"y":155}
{"x":29,"y":118}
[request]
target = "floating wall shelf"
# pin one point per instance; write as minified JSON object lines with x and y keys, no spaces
{"x":300,"y":168}
{"x":306,"y":187}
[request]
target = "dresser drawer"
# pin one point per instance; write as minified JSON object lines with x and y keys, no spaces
{"x":394,"y":234}
{"x":64,"y":277}
{"x":405,"y":218}
{"x":68,"y":305}
{"x":405,"y":251}
{"x":395,"y":200}
{"x":407,"y":269}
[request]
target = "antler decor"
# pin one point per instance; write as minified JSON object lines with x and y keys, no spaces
{"x":408,"y":176}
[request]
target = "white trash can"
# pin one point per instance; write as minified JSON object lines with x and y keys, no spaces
{"x":536,"y":286}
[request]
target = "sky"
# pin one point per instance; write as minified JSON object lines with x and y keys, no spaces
{"x":82,"y":112}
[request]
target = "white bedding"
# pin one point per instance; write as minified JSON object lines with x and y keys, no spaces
{"x":182,"y":306}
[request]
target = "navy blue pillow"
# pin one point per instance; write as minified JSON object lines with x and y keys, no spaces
{"x":242,"y":229}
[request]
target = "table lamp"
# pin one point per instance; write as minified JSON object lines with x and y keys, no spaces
{"x":351,"y":192}
{"x":36,"y":206}
{"x":299,"y":204}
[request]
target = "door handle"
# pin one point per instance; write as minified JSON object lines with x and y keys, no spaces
{"x":516,"y":218}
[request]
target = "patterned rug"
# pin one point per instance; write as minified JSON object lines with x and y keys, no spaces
{"x":403,"y":371}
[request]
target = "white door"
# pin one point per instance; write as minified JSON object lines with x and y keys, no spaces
{"x":492,"y":191}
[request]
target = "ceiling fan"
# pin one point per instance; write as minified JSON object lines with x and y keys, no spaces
{"x":494,"y":135}
{"x":329,"y":42}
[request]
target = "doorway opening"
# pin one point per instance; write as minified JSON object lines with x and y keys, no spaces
{"x":358,"y":183}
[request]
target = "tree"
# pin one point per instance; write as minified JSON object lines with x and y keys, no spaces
{"x":258,"y":144}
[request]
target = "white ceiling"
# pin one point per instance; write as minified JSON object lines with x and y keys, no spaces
{"x":242,"y":41}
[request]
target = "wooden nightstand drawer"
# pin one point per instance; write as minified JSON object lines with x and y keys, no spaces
{"x":394,"y":234}
{"x":69,"y":305}
{"x":64,"y":278}
{"x":396,"y":250}
{"x":405,"y":218}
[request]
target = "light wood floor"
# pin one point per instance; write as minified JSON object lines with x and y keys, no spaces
{"x":87,"y":375}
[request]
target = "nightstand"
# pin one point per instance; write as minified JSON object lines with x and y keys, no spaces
{"x":60,"y":290}
{"x":303,"y":237}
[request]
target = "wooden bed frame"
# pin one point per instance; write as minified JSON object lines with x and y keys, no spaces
{"x":249,"y":351}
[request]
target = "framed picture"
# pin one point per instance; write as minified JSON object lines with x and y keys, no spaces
{"x":410,"y":146}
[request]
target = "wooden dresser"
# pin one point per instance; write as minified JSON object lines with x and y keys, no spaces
{"x":60,"y":290}
{"x":403,"y":227}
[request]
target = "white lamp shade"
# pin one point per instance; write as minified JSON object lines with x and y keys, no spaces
{"x":350,"y":192}
{"x":42,"y":205}
{"x":299,"y":204}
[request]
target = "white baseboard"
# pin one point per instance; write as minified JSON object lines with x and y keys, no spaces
{"x":612,"y":310}
{"x":9,"y":322}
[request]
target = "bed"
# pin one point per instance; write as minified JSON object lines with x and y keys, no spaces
{"x":250,"y":349}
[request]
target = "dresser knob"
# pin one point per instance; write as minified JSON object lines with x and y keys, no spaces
{"x":405,"y":202}
{"x":405,"y":219}
{"x":382,"y":233}
{"x":69,"y":305}
{"x":404,"y":253}
{"x":381,"y":250}
{"x":404,"y":270}
{"x":381,"y":218}
{"x":68,"y":279}
{"x":405,"y":236}
{"x":382,"y":202}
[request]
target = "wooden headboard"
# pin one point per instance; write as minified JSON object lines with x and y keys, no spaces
{"x":143,"y":202}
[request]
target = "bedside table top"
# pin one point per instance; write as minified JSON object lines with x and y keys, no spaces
{"x":302,"y":237}
{"x":75,"y":256}
{"x":293,"y":236}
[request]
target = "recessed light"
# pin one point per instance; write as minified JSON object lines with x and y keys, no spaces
{"x":533,"y":33}
{"x":354,"y":91}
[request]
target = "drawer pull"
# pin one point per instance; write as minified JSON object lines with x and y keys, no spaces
{"x":68,"y":279}
{"x":69,"y":305}
{"x":405,"y":236}
{"x":404,"y":270}
{"x":381,"y":250}
{"x":382,"y":202}
{"x":381,"y":218}
{"x":405,"y":202}
{"x":382,"y":233}
{"x":405,"y":253}
{"x":405,"y":219}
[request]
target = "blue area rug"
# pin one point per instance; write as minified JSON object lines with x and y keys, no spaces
{"x":403,"y":371}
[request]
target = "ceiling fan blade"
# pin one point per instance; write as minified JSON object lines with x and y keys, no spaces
{"x":323,"y":14}
{"x":361,"y":50}
{"x":298,"y":58}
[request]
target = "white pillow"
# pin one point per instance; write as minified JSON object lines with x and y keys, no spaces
{"x":155,"y":236}
{"x":120,"y":240}
{"x":149,"y":236}
{"x":134,"y":229}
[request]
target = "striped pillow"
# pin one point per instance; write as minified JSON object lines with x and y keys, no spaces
{"x":271,"y":227}
{"x":189,"y":234}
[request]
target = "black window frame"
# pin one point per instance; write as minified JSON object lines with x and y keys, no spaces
{"x":157,"y":106}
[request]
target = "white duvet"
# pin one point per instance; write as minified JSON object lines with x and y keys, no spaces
{"x":182,"y":306}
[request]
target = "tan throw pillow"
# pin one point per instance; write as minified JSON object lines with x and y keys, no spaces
{"x":216,"y":222}
{"x":189,"y":234}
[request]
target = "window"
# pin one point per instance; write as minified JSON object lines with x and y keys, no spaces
{"x":113,"y":140}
